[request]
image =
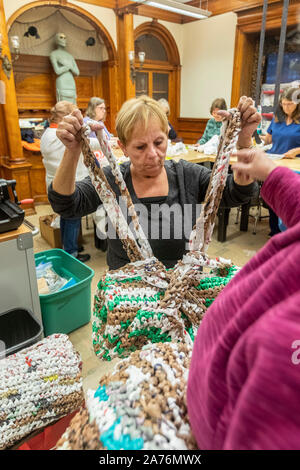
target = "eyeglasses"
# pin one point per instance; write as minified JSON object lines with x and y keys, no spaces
{"x":288,"y":103}
{"x":100,"y":106}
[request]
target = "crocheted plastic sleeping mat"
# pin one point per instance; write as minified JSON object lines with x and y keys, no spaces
{"x":142,"y":302}
{"x":38,"y":386}
{"x":139,"y":405}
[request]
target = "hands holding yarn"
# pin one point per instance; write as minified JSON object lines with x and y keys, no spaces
{"x":70,"y":125}
{"x":253,"y":164}
{"x":250,"y":119}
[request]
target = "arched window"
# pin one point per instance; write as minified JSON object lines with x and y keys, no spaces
{"x":152,"y":46}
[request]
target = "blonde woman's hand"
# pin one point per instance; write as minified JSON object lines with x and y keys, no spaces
{"x":70,"y":125}
{"x":68,"y":128}
{"x":250,"y":119}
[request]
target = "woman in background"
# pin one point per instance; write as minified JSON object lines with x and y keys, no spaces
{"x":172,"y":135}
{"x":284,"y":135}
{"x":214,"y":124}
{"x":96,"y":111}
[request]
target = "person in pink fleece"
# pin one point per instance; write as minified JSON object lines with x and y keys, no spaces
{"x":244,"y":379}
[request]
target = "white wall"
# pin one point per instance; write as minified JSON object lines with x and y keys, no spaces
{"x":175,"y":29}
{"x":207,"y":63}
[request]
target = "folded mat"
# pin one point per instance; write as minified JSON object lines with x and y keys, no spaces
{"x":38,"y":385}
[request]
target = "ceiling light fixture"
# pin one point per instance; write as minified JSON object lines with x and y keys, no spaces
{"x":177,"y":7}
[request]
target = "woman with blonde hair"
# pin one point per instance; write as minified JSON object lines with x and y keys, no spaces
{"x":166,"y":193}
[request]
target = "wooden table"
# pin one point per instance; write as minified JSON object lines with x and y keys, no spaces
{"x":196,"y":157}
{"x":12,"y":234}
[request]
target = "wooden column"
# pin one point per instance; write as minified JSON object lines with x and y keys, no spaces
{"x":14,"y":165}
{"x":114,"y":94}
{"x":125,"y":41}
{"x":10,"y":108}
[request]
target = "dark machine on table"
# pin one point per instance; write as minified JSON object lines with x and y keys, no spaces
{"x":11,"y":215}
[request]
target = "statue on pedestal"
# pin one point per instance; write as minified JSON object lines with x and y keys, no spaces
{"x":65,"y":68}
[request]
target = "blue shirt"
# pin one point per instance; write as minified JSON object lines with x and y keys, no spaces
{"x":284,"y":137}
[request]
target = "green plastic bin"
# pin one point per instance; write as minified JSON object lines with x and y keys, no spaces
{"x":70,"y":308}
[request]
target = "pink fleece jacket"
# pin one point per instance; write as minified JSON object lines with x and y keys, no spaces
{"x":244,"y":380}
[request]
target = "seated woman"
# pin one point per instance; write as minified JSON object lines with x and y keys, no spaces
{"x":214,"y":124}
{"x":165,"y":191}
{"x":243,"y":386}
{"x":284,"y":135}
{"x":172,"y":134}
{"x":96,"y":110}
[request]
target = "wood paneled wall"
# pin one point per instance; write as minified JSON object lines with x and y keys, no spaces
{"x":36,"y":90}
{"x":190,"y":129}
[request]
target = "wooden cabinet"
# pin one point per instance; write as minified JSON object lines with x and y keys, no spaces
{"x":37,"y":177}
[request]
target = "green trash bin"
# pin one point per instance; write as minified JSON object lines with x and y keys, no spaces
{"x":70,"y":308}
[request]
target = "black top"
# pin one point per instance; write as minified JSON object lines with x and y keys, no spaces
{"x":167,"y":221}
{"x":172,"y":133}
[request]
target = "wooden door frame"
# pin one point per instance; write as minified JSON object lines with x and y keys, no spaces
{"x":114,"y":91}
{"x":173,"y":66}
{"x":248,"y":25}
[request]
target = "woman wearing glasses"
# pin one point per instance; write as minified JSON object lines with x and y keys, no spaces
{"x":96,"y":110}
{"x":284,"y":135}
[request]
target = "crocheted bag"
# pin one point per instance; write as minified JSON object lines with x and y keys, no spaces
{"x":143,"y":302}
{"x":38,"y":385}
{"x":139,"y":405}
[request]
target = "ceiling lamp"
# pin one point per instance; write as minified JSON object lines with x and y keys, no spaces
{"x":177,"y":7}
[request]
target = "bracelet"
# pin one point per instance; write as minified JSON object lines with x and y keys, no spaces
{"x":238,"y":147}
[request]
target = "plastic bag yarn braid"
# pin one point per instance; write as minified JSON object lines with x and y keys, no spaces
{"x":202,"y":232}
{"x":136,"y":249}
{"x":143,"y":302}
